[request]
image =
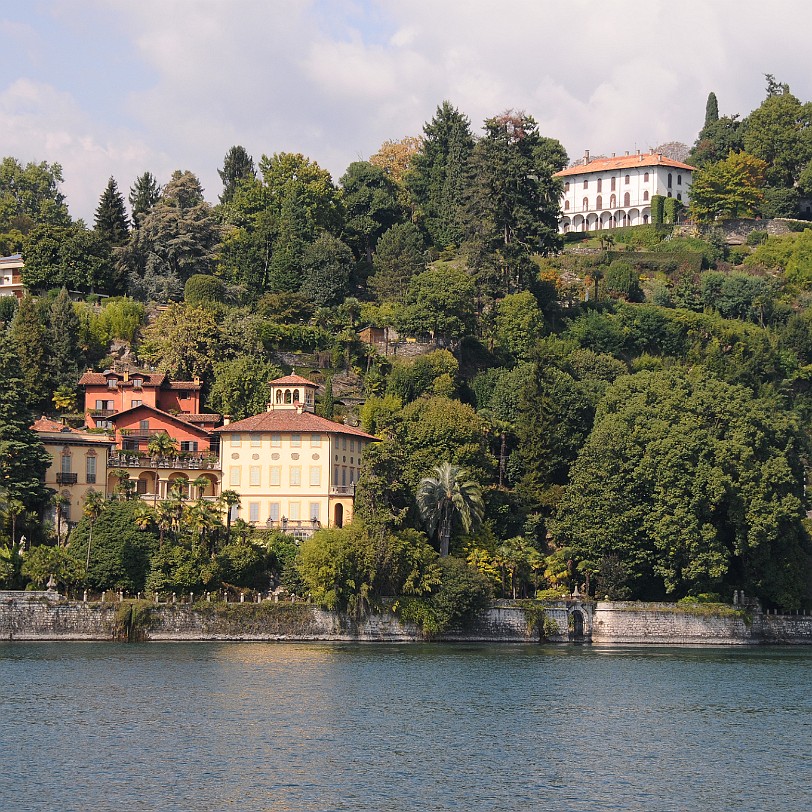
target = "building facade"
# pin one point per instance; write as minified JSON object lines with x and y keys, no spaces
{"x":603,"y":193}
{"x":78,"y":465}
{"x":11,"y":283}
{"x":293,"y":470}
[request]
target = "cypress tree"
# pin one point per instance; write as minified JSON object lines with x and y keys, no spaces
{"x":30,"y":339}
{"x":23,"y":458}
{"x":111,"y":216}
{"x":238,"y":165}
{"x":64,"y":336}
{"x":711,"y":110}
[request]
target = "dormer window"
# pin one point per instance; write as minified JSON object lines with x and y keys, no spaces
{"x":138,"y":383}
{"x":112,"y":383}
{"x":183,"y":395}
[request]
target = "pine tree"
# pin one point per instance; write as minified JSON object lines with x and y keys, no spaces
{"x":64,"y":335}
{"x":111,"y":216}
{"x":23,"y":458}
{"x":30,"y":339}
{"x":238,"y":165}
{"x":711,"y":110}
{"x":144,"y":194}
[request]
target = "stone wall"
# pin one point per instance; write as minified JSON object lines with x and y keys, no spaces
{"x":629,"y":622}
{"x":787,"y":629}
{"x":41,"y":619}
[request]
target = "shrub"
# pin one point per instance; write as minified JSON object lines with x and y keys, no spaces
{"x":203,"y":289}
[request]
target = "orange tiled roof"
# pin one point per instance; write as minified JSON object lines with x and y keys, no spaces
{"x":289,"y":420}
{"x":45,"y":425}
{"x":149,"y":379}
{"x":623,"y":162}
{"x":293,"y":380}
{"x":200,"y":418}
{"x":177,"y":418}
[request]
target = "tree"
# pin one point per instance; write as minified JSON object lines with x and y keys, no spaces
{"x":696,"y":485}
{"x":371,"y":206}
{"x":622,"y":281}
{"x":729,"y":188}
{"x":228,"y":501}
{"x":23,"y":458}
{"x":519,"y":323}
{"x":202,"y":290}
{"x":178,"y":237}
{"x":111,"y":219}
{"x":238,"y":166}
{"x":436,"y":179}
{"x":65,"y":356}
{"x":711,"y":110}
{"x":441,"y":304}
{"x":144,"y":194}
{"x":32,"y":344}
{"x":181,"y":341}
{"x":400,"y":256}
{"x":240,"y":387}
{"x":447,"y":495}
{"x":395,"y":157}
{"x":43,"y":562}
{"x":91,"y":510}
{"x":326,"y":267}
{"x":30,"y":196}
{"x":161,"y":445}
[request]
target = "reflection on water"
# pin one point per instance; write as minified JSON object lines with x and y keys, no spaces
{"x":204,"y":726}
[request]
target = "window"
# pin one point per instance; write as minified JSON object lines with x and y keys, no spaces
{"x":236,"y":440}
{"x":253,"y":511}
{"x":585,"y":204}
{"x":679,"y":180}
{"x":183,"y":395}
{"x":600,"y":185}
{"x":315,"y":475}
{"x":254,"y":476}
{"x":256,"y":440}
{"x":315,"y":440}
{"x":90,"y":470}
{"x":612,"y":201}
{"x":315,"y":511}
{"x":343,"y":475}
{"x":234,"y":475}
{"x":626,"y":181}
{"x":135,"y":403}
{"x":614,"y":180}
{"x":143,"y":425}
{"x":679,"y":195}
{"x":599,"y":202}
{"x":626,"y":199}
{"x":112,"y":383}
{"x":296,"y":396}
{"x":276,"y":440}
{"x":344,"y":443}
{"x":295,"y":440}
{"x":138,"y":383}
{"x":104,"y":405}
{"x":567,"y":186}
{"x":645,"y":195}
{"x":140,"y":486}
{"x":278,"y":395}
{"x":295,"y":511}
{"x":273,"y":512}
{"x":66,"y":462}
{"x":566,"y":205}
{"x":670,"y":195}
{"x":188,"y":445}
{"x":669,"y":180}
{"x":295,"y":474}
{"x":287,"y":396}
{"x":645,"y":219}
{"x":645,"y":177}
{"x":586,"y":184}
{"x":275,"y":475}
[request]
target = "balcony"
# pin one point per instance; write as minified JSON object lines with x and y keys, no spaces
{"x":298,"y":528}
{"x":342,"y":490}
{"x":102,"y":412}
{"x":125,"y":460}
{"x":66,"y":479}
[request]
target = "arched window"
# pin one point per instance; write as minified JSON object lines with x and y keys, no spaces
{"x":645,"y":177}
{"x":679,"y":195}
{"x":612,"y":202}
{"x":627,"y":180}
{"x":586,"y":184}
{"x":586,"y":203}
{"x":670,"y":195}
{"x":645,"y":195}
{"x":626,"y":199}
{"x":288,"y":396}
{"x":599,"y":202}
{"x":645,"y":219}
{"x":669,"y":180}
{"x":566,"y":205}
{"x":295,"y":395}
{"x":278,"y":395}
{"x":567,"y":186}
{"x":679,"y":180}
{"x":600,"y":185}
{"x":613,"y":184}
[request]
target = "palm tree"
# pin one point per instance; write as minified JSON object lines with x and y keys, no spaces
{"x":164,"y":518}
{"x":161,"y":445}
{"x":93,"y":507}
{"x":59,"y":500}
{"x":447,"y":494}
{"x":202,"y":517}
{"x":201,"y":483}
{"x":14,"y":509}
{"x":143,"y":516}
{"x":126,"y":486}
{"x":229,"y":499}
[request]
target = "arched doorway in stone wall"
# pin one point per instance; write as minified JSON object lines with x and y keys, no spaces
{"x":338,"y":515}
{"x":576,"y":626}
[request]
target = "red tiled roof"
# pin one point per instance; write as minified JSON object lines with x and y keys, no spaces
{"x":45,"y":425}
{"x":183,"y":385}
{"x":200,"y":418}
{"x":293,"y":380}
{"x":172,"y":417}
{"x":150,"y":379}
{"x":289,"y":420}
{"x":623,"y":162}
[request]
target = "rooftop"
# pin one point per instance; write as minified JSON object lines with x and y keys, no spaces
{"x":623,"y":162}
{"x":292,"y":421}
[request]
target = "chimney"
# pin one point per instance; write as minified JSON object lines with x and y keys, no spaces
{"x":586,"y":157}
{"x":196,"y":380}
{"x":226,"y":419}
{"x":126,"y":375}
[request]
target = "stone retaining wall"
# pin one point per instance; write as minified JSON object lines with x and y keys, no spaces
{"x":787,"y":629}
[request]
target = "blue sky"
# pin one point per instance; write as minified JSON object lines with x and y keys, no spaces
{"x":106,"y":87}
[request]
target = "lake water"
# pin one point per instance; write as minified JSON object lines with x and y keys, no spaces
{"x":204,"y":726}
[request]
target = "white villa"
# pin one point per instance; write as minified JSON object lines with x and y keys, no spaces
{"x":613,"y":192}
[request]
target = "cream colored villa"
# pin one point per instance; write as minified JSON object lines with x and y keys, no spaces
{"x":612,"y":192}
{"x":293,"y":470}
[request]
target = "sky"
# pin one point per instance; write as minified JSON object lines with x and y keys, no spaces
{"x":108,"y":87}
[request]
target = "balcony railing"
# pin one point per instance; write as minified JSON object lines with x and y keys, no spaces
{"x":180,"y":463}
{"x":342,"y":490}
{"x":298,"y":528}
{"x":66,"y":479}
{"x":102,"y":412}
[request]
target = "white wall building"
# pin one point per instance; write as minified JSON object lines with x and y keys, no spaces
{"x":613,"y":192}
